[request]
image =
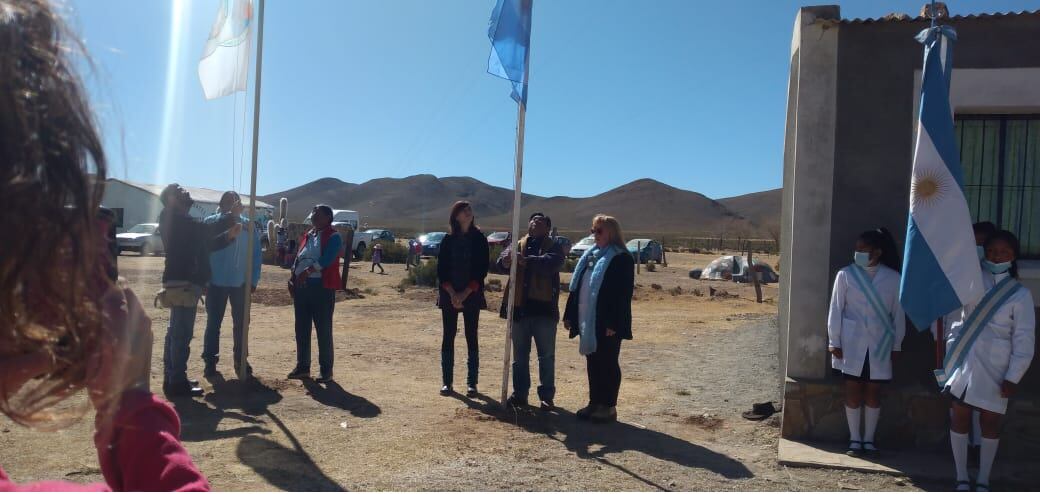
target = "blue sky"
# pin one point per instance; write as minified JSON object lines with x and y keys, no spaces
{"x":691,"y":93}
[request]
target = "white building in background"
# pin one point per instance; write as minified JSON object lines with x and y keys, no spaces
{"x":135,"y":203}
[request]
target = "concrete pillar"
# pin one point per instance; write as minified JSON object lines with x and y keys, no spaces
{"x":807,"y":195}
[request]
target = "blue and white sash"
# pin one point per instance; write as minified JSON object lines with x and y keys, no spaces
{"x":884,"y":348}
{"x":974,"y":326}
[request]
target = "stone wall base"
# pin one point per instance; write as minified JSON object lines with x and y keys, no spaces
{"x":912,"y":417}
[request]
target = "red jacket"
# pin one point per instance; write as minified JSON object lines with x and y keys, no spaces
{"x":138,"y":451}
{"x":330,"y":277}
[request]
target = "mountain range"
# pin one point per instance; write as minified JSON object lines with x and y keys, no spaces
{"x":422,"y":202}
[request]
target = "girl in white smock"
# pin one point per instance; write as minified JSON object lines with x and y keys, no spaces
{"x":865,"y":328}
{"x":987,"y":353}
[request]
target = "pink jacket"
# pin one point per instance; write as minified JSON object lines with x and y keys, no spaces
{"x":138,"y":451}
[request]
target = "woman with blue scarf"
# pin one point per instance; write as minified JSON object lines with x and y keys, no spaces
{"x":599,"y":311}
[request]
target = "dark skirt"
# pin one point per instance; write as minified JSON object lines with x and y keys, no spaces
{"x":863,"y":376}
{"x":475,"y":301}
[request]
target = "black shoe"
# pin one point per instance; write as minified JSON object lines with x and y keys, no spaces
{"x":548,"y":406}
{"x":326,"y":378}
{"x":870,"y":451}
{"x":586,"y":412}
{"x":471,"y":391}
{"x":193,"y":382}
{"x":183,"y":388}
{"x":445,"y":390}
{"x":604,"y":415}
{"x":515,"y":401}
{"x":299,"y":373}
{"x":962,"y":486}
{"x":855,"y":448}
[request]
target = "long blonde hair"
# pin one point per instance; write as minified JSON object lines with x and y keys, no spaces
{"x":610,"y":224}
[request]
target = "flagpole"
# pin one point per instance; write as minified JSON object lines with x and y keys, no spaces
{"x":518,"y":172}
{"x":242,"y":364}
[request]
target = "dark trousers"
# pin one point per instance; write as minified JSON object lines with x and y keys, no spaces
{"x":314,"y":304}
{"x":450,"y":318}
{"x":605,"y":371}
{"x":375,"y":265}
{"x":216,"y":303}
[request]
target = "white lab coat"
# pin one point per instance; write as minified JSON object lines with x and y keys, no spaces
{"x":1003,"y":350}
{"x":853,"y":326}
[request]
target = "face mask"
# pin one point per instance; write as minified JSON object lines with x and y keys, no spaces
{"x":982,"y":251}
{"x":862,"y":259}
{"x":996,"y":267}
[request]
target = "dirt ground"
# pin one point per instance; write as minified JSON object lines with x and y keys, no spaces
{"x":696,"y":362}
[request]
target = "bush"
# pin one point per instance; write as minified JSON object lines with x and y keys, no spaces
{"x":493,"y":253}
{"x":425,"y":274}
{"x":393,"y":252}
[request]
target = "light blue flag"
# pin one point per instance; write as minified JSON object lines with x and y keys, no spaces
{"x":510,"y":34}
{"x":941,"y":271}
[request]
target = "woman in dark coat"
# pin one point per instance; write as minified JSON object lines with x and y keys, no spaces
{"x":462,"y":265}
{"x":599,"y":311}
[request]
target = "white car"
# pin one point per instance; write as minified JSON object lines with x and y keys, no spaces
{"x":583,"y":245}
{"x":141,"y":238}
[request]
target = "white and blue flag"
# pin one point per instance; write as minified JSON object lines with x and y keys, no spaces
{"x":941,"y":269}
{"x":510,"y":34}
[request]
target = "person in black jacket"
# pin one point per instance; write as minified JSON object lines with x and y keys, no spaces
{"x":599,"y":310}
{"x":188,"y":242}
{"x":462,"y":265}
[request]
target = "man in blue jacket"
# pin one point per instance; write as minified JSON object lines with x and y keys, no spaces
{"x":228,"y":282}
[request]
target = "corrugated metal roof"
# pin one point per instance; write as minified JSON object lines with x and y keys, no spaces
{"x":902,"y":17}
{"x":199,"y":194}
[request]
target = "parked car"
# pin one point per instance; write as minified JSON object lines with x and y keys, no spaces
{"x":564,"y":243}
{"x":431,"y":243}
{"x":500,"y":238}
{"x":583,"y":245}
{"x":141,"y":238}
{"x":379,"y":234}
{"x":649,"y":250}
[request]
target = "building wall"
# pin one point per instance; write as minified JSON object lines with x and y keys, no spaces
{"x":138,"y":206}
{"x":874,"y":133}
{"x":847,"y":161}
{"x":806,"y":217}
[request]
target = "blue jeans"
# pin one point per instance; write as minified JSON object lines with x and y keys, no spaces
{"x":177,"y":345}
{"x":314,"y":304}
{"x":543,"y":330}
{"x":216,"y":303}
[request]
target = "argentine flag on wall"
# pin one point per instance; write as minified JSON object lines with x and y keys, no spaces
{"x":941,"y":269}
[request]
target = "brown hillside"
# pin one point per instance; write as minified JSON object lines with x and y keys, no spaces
{"x":422,"y":202}
{"x":762,"y":208}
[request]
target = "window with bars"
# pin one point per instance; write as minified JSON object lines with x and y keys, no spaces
{"x":1001,"y":159}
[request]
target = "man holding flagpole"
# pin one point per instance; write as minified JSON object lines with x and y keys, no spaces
{"x":224,"y":70}
{"x":510,"y":34}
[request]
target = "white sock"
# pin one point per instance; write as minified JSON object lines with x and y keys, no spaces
{"x":976,"y":429}
{"x":986,"y":456}
{"x":853,"y":416}
{"x":871,"y":416}
{"x":959,"y":444}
